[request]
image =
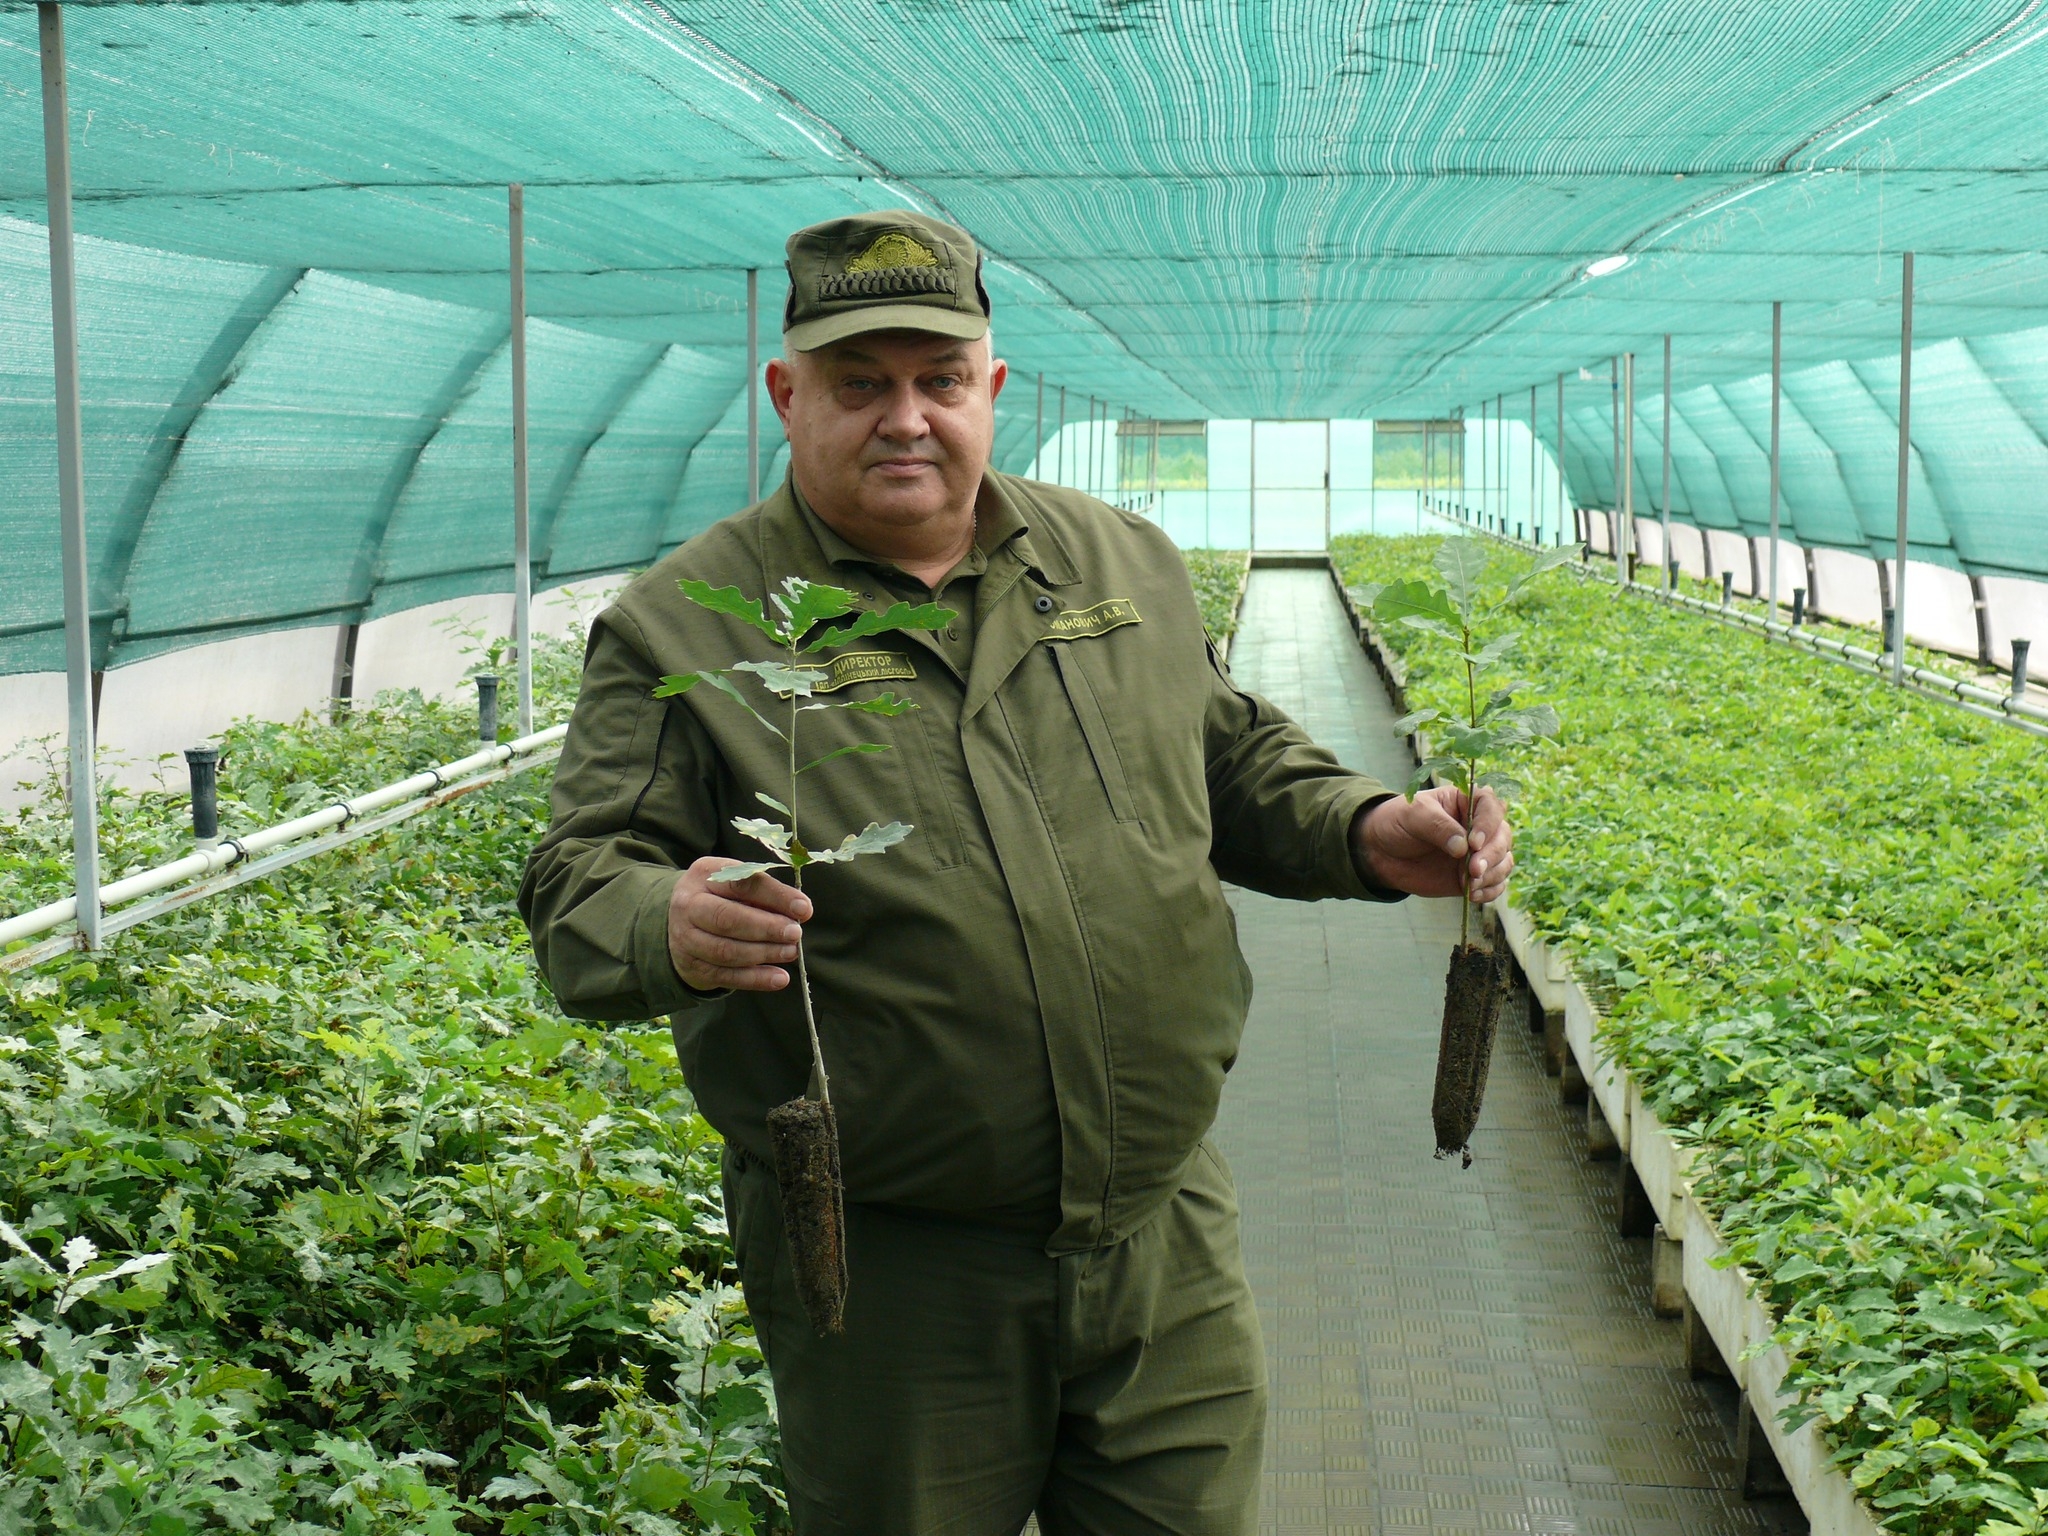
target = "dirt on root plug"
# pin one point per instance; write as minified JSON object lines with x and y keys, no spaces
{"x":805,"y":1134}
{"x":1473,"y":990}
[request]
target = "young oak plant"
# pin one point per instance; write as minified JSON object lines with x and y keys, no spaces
{"x":805,"y":1132}
{"x":1466,"y":750}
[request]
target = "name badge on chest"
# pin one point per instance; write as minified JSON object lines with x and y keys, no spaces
{"x":865,"y":667}
{"x":1086,"y":623}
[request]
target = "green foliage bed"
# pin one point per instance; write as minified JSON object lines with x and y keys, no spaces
{"x":435,"y":1257}
{"x":1217,"y":574}
{"x":1816,"y":911}
{"x":438,"y":1258}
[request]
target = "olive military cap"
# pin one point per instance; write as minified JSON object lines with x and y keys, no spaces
{"x":891,"y":271}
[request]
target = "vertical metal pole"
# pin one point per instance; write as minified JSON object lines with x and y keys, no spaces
{"x":522,"y":550}
{"x":1038,"y":435}
{"x":1905,"y":467}
{"x":1059,"y":458}
{"x":1095,"y":446}
{"x":1614,"y":423}
{"x":85,"y":804}
{"x":1627,"y":555}
{"x":753,"y":384}
{"x":1535,"y":517}
{"x":1428,"y":458}
{"x":1152,"y":470}
{"x":1560,"y":460}
{"x":1372,"y":518}
{"x":1777,"y":388}
{"x":1500,"y":463}
{"x":1485,"y":467}
{"x":1252,"y":485}
{"x":1670,"y":569}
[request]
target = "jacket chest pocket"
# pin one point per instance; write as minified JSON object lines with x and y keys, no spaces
{"x":1109,"y":764}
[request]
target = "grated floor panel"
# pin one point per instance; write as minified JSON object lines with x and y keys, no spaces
{"x":1452,"y":1351}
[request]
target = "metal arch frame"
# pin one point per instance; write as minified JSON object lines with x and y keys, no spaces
{"x":1876,"y":546}
{"x":655,"y":543}
{"x":1680,"y":490}
{"x":460,"y":381}
{"x":1569,"y":446}
{"x":215,"y":370}
{"x":1684,"y":417}
{"x":1971,"y":567}
{"x":662,"y":543}
{"x":547,"y":509}
{"x":1798,"y":416}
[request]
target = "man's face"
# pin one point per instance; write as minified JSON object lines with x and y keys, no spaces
{"x":890,"y":429}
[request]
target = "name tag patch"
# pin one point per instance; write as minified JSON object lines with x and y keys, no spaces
{"x":865,"y":667}
{"x":1086,"y":623}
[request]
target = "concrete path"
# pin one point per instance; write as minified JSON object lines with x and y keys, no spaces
{"x":1451,"y":1350}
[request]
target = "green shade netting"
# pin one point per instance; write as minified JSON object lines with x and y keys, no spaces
{"x":293,"y":293}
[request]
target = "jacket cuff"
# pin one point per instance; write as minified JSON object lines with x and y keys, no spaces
{"x":664,"y":990}
{"x":1348,"y":870}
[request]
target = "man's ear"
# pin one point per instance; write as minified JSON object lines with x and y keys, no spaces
{"x":998,"y":376}
{"x":781,"y":386}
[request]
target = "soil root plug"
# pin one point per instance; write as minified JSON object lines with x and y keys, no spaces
{"x":805,"y":1134}
{"x":1473,"y":991}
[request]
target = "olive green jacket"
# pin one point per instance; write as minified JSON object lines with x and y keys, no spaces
{"x":1027,"y":1009}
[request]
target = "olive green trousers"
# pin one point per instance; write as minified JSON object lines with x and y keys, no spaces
{"x":1114,"y":1392}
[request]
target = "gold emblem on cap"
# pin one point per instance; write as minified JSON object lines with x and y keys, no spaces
{"x":893,"y":250}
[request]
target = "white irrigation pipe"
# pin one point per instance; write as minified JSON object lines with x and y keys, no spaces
{"x":259,"y":853}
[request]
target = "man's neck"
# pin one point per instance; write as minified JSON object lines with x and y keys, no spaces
{"x":928,"y":550}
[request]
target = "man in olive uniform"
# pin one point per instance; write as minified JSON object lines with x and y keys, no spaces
{"x":1027,"y":1009}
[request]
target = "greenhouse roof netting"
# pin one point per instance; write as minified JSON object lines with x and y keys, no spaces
{"x":293,"y":284}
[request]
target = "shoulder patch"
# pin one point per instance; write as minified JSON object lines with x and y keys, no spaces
{"x":865,"y":667}
{"x":1086,"y":623}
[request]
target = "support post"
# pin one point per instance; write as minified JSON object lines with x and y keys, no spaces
{"x":1535,"y":513}
{"x":1670,"y":564}
{"x":1152,"y":469}
{"x":78,"y":672}
{"x":1560,"y":462}
{"x":1038,"y":435}
{"x":1777,"y":391}
{"x":1252,"y":477}
{"x":1096,"y":422}
{"x":1059,"y":458}
{"x":1980,"y":608}
{"x":341,"y":690}
{"x":1614,"y":426}
{"x":753,"y":385}
{"x":1500,"y":465}
{"x":522,"y":539}
{"x":1326,"y":486}
{"x":1485,"y":499}
{"x":2020,"y":650}
{"x":1602,"y":1146}
{"x":1667,"y":1274}
{"x":1905,"y":468}
{"x":1626,"y":557}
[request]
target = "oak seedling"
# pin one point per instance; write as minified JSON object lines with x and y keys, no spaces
{"x":804,"y":1131}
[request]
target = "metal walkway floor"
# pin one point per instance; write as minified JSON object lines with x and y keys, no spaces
{"x":1451,"y":1350}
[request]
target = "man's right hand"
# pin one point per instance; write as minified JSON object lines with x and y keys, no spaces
{"x":737,"y":935}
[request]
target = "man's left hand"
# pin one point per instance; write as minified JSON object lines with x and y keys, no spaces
{"x":1419,"y":846}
